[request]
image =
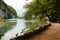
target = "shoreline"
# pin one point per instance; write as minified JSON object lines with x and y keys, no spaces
{"x":31,"y":34}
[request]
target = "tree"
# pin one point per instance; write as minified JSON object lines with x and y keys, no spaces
{"x":39,"y":8}
{"x":8,"y":10}
{"x":44,"y":8}
{"x":55,"y":16}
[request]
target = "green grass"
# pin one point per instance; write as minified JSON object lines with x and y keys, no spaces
{"x":3,"y":20}
{"x":32,"y":26}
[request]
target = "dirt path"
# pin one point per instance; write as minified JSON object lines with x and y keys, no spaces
{"x":53,"y":33}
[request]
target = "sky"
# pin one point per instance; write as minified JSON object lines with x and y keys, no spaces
{"x":17,"y":5}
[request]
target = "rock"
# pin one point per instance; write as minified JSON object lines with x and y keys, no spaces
{"x":6,"y":11}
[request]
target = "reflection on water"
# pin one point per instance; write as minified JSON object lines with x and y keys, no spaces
{"x":22,"y":26}
{"x":17,"y":29}
{"x":5,"y":26}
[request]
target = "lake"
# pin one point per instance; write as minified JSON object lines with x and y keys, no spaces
{"x":18,"y":28}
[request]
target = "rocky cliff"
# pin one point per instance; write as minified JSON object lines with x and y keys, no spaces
{"x":6,"y":11}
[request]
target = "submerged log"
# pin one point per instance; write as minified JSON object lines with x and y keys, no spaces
{"x":31,"y":34}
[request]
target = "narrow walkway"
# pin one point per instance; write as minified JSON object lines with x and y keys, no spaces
{"x":52,"y":33}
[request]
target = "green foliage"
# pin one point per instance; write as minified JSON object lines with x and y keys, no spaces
{"x":43,"y":8}
{"x":31,"y":25}
{"x":7,"y":10}
{"x":3,"y":20}
{"x":32,"y":7}
{"x":12,"y":12}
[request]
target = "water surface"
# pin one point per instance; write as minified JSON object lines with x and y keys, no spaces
{"x":22,"y":26}
{"x":17,"y":29}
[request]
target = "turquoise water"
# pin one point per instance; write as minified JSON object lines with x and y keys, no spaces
{"x":22,"y":26}
{"x":6,"y":26}
{"x":15,"y":30}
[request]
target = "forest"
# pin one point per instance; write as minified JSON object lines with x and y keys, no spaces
{"x":41,"y":9}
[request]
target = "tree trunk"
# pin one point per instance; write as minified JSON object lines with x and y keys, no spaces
{"x":48,"y":16}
